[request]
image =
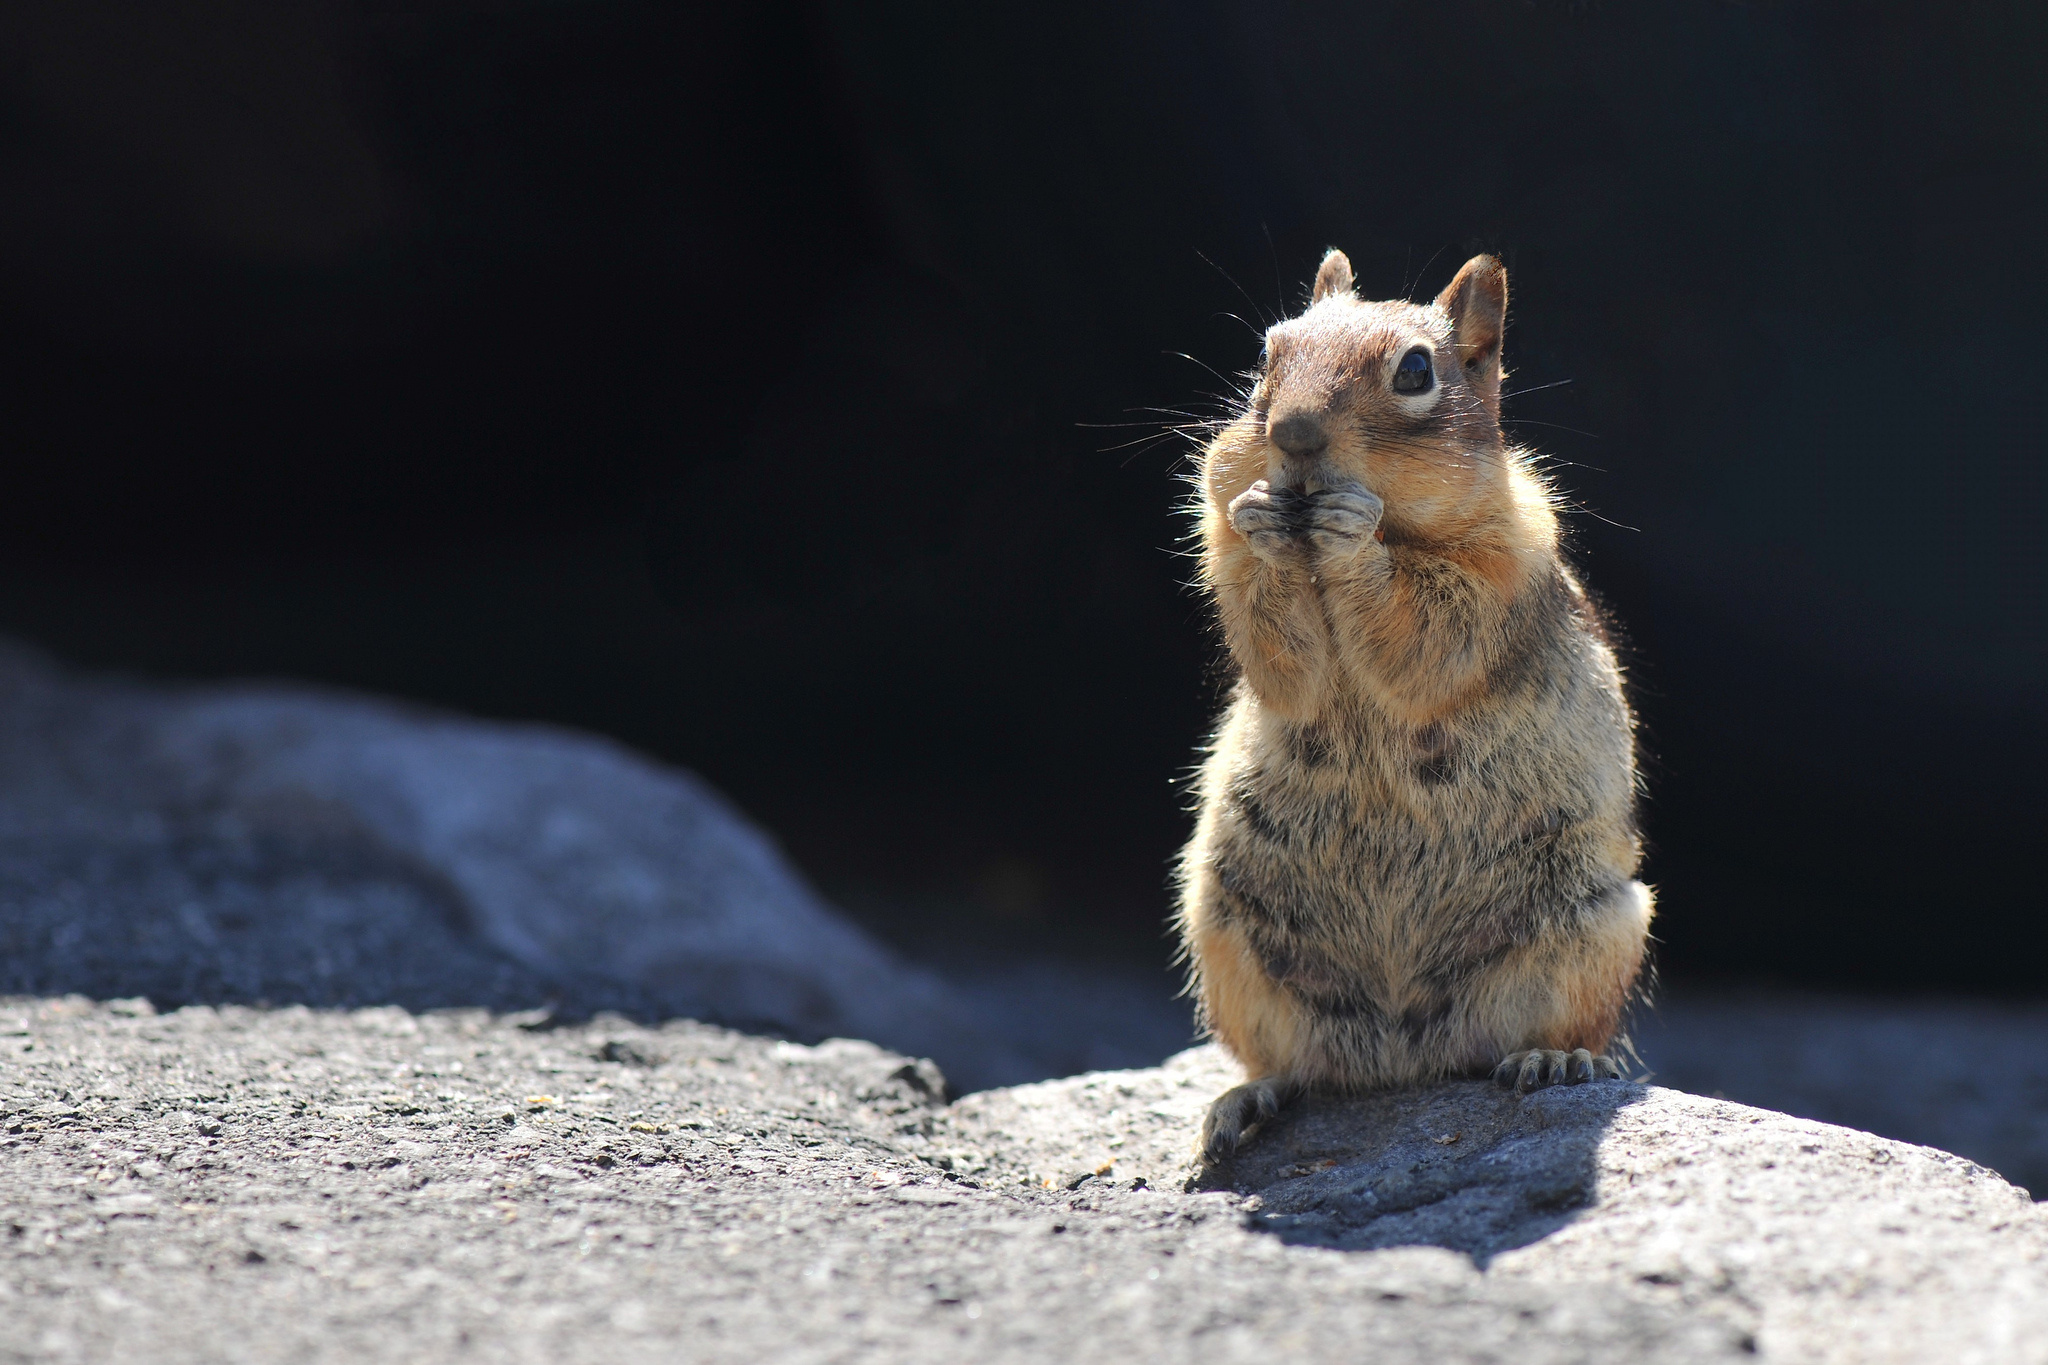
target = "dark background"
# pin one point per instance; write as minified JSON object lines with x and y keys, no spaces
{"x":746,"y":383}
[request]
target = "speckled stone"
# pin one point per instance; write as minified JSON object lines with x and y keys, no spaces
{"x":240,"y":1184}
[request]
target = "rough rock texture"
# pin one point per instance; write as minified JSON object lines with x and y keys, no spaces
{"x":1821,"y":1243}
{"x":287,"y":845}
{"x":256,"y":1184}
{"x":246,"y":1185}
{"x":1968,"y":1076}
{"x":265,"y":843}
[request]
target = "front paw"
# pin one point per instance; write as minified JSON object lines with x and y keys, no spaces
{"x":1270,"y":521}
{"x":1541,"y":1067}
{"x":1339,"y":520}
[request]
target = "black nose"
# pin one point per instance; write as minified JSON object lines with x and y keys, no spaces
{"x":1300,"y":434}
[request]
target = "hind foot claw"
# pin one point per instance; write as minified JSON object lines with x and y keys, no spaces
{"x":1544,"y":1066}
{"x":1238,"y":1112}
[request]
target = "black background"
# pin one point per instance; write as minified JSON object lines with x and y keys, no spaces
{"x":746,"y":383}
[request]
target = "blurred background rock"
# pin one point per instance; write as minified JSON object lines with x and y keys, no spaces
{"x":746,"y":383}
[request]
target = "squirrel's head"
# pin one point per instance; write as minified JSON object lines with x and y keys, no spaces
{"x":1403,"y":398}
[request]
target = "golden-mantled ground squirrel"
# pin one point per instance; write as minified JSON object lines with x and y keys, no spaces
{"x":1417,"y":849}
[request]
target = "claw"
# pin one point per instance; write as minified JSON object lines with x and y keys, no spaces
{"x":1268,"y":518}
{"x":1339,"y":518}
{"x":1540,"y":1068}
{"x":1239,"y":1112}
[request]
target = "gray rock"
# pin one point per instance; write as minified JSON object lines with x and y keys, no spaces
{"x":1968,"y":1076}
{"x":251,"y":1184}
{"x":1817,"y":1242}
{"x":282,"y":844}
{"x":240,"y":1185}
{"x":383,"y":1186}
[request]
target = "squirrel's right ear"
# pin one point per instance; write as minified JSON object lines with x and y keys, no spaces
{"x":1333,"y":277}
{"x":1477,"y":301}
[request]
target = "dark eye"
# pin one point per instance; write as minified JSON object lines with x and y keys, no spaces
{"x":1413,"y":374}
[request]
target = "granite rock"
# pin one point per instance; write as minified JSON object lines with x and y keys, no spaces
{"x":283,"y":844}
{"x":1814,"y":1242}
{"x":244,"y":1185}
{"x":1967,"y":1076}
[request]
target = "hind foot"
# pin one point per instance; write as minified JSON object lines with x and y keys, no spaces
{"x":1238,"y":1112}
{"x":1544,"y":1066}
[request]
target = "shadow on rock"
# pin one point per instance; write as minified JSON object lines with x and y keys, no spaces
{"x":1465,"y":1166}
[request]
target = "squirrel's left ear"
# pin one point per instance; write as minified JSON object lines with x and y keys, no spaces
{"x":1333,"y":277}
{"x":1477,"y":301}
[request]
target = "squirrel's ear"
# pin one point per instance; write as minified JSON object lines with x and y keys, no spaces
{"x":1477,"y":301}
{"x":1333,"y":277}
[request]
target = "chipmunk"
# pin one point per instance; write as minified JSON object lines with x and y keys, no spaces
{"x":1416,"y":850}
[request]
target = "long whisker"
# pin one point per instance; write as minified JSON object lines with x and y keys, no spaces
{"x":1537,"y":388}
{"x":1409,"y":288}
{"x":1241,"y":322}
{"x":1532,"y":422}
{"x":1579,"y":508}
{"x":1183,"y":355}
{"x":1223,"y":417}
{"x":1233,"y":283}
{"x":1279,"y":289}
{"x":1140,"y":443}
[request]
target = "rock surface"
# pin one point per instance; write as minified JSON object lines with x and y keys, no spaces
{"x":266,"y":843}
{"x":1817,"y":1242}
{"x":252,"y":1184}
{"x":270,"y":843}
{"x":238,"y":1185}
{"x":1967,"y":1076}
